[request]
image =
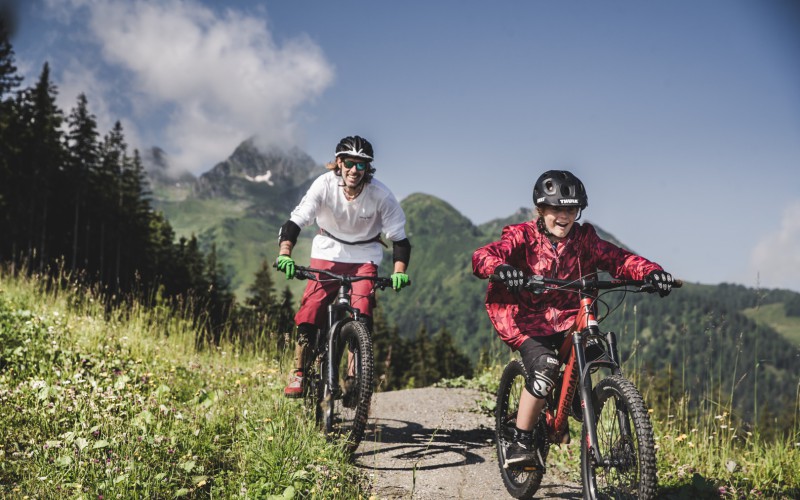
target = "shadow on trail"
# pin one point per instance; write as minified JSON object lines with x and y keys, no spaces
{"x":398,"y":445}
{"x":401,"y":445}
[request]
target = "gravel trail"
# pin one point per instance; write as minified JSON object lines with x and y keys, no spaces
{"x":431,"y":443}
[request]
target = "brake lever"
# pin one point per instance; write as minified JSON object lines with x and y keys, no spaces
{"x":535,"y":284}
{"x":302,"y":274}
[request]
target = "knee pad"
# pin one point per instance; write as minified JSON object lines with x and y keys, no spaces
{"x":542,"y":375}
{"x":306,"y":333}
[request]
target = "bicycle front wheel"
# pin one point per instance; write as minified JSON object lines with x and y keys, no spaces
{"x":625,"y":442}
{"x":519,"y":482}
{"x":348,"y":401}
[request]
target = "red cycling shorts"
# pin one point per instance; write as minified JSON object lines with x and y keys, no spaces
{"x":314,"y":305}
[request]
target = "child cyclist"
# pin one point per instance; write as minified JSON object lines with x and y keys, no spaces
{"x":553,"y":245}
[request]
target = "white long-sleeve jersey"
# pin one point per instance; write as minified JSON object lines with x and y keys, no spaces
{"x":374,"y":211}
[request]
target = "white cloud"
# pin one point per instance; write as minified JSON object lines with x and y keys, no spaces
{"x":207,"y":81}
{"x":776,"y":258}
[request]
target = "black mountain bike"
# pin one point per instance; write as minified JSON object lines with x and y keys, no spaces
{"x":618,"y":456}
{"x":339,"y":364}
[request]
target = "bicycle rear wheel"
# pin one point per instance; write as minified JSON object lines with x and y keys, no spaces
{"x":346,"y":405}
{"x":625,"y":442}
{"x":519,"y":482}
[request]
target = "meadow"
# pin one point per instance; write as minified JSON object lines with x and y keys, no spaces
{"x":103,"y":402}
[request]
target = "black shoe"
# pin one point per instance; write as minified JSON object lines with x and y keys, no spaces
{"x":521,"y":455}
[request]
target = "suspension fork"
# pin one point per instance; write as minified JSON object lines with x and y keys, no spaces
{"x":588,"y":319}
{"x":336,"y":320}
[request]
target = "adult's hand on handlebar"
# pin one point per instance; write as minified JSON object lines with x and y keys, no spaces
{"x":661,"y":281}
{"x":286,"y":264}
{"x":400,"y":280}
{"x":511,"y":277}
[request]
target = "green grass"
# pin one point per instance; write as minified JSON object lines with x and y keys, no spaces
{"x":700,"y":454}
{"x":774,"y":316}
{"x":119,"y":404}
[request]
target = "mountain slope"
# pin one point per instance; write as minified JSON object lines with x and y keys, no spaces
{"x":700,"y":331}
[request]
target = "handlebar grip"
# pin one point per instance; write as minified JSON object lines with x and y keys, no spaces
{"x":302,"y":274}
{"x":676,"y":283}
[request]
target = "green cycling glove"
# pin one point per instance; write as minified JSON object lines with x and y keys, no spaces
{"x":286,"y":264}
{"x":400,"y":280}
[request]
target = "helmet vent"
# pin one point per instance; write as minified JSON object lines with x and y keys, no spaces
{"x":549,"y":187}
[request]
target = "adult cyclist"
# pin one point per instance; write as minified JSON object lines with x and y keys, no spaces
{"x":351,"y":209}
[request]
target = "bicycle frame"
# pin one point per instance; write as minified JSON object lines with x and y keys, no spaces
{"x":576,"y":372}
{"x":336,"y":320}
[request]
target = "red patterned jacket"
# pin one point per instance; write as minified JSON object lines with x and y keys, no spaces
{"x":522,"y":245}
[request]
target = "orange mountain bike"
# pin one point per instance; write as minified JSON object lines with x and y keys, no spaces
{"x":618,"y":457}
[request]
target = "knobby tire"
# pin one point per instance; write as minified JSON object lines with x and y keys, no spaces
{"x":346,"y":406}
{"x":519,"y":482}
{"x":625,"y":441}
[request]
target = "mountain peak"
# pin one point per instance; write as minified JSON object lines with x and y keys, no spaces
{"x":253,"y":169}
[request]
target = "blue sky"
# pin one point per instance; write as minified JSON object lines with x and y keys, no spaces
{"x":681,"y":117}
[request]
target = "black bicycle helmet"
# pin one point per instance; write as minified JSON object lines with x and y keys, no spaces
{"x":355,"y":146}
{"x":560,"y":188}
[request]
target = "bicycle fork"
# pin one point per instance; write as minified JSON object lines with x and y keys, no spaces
{"x":576,"y":376}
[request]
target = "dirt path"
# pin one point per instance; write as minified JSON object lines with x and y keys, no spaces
{"x":431,"y":444}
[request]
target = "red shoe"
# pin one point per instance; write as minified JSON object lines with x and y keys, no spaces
{"x":295,"y":387}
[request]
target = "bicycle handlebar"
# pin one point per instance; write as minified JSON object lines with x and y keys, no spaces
{"x":538,"y":282}
{"x":307,"y":273}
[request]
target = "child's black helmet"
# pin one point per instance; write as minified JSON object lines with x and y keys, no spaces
{"x":560,"y":188}
{"x":355,"y":146}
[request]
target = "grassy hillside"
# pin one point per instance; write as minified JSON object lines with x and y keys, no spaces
{"x":774,"y":316}
{"x":98,"y":403}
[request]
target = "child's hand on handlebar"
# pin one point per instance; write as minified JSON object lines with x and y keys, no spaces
{"x":400,"y":280}
{"x":286,"y":264}
{"x":661,"y":281}
{"x":511,"y":277}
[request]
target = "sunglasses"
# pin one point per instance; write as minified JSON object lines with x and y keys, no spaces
{"x":360,"y":166}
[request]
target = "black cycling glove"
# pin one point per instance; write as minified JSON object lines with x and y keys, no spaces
{"x":511,"y":276}
{"x":662,"y":282}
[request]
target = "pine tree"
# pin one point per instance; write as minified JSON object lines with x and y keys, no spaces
{"x":262,"y":291}
{"x":286,"y":312}
{"x":452,"y":362}
{"x":219,"y":299}
{"x":42,"y":156}
{"x":9,"y":128}
{"x":9,"y":79}
{"x":83,"y":151}
{"x":424,"y":366}
{"x":392,"y":354}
